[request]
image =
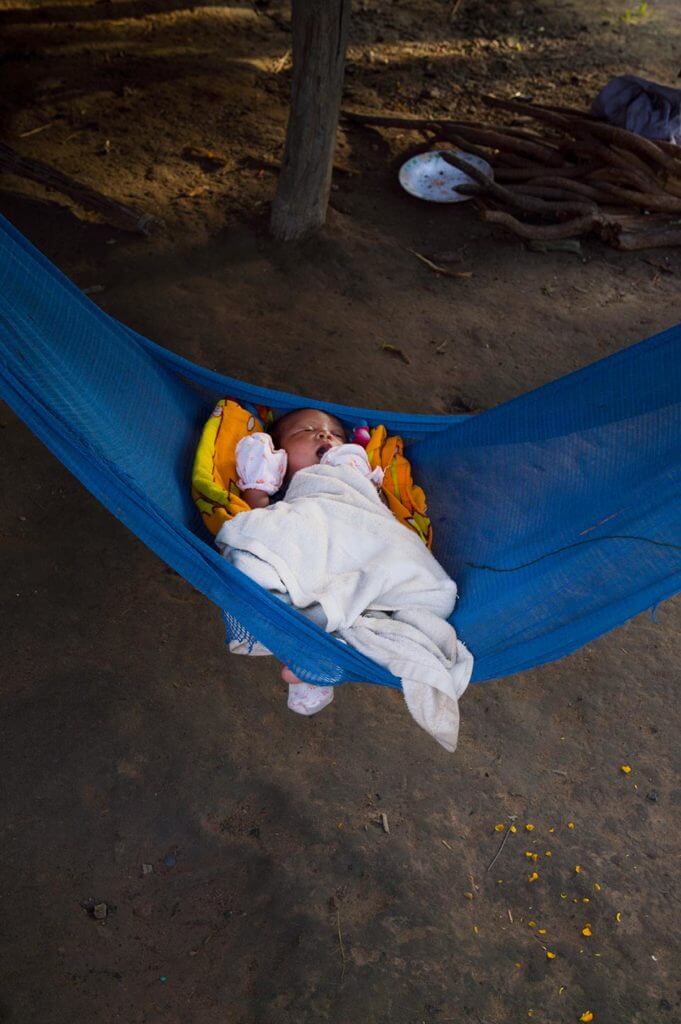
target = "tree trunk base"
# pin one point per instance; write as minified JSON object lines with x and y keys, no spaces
{"x":320,"y":30}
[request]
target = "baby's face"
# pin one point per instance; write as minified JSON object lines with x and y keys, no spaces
{"x":306,"y":436}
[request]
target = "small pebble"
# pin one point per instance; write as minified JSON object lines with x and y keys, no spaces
{"x":99,"y":911}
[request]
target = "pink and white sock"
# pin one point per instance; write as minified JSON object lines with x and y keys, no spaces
{"x":306,"y":699}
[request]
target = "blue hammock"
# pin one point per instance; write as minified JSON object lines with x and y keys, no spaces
{"x":558,"y":513}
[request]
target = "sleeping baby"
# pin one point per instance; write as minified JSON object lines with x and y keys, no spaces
{"x":332,"y":548}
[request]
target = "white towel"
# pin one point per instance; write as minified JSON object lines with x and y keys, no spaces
{"x":336,"y":552}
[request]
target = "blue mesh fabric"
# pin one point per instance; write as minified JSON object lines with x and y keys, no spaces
{"x":235,"y":632}
{"x":558,"y":513}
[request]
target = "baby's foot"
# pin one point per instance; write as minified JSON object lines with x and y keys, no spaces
{"x":304,"y":698}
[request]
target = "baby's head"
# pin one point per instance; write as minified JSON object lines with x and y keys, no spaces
{"x":305,"y":435}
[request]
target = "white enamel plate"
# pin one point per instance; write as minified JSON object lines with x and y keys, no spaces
{"x":428,"y":176}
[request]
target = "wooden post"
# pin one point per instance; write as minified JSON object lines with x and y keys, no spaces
{"x":320,"y":32}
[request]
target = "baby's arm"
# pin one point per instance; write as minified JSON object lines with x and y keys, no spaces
{"x":255,"y":498}
{"x":260,"y":469}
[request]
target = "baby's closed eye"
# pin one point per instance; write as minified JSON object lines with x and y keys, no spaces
{"x":315,"y":430}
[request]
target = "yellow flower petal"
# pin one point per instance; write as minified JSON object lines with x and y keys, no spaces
{"x":618,"y":917}
{"x":547,"y":853}
{"x":533,"y":877}
{"x":518,"y":965}
{"x":499,"y":827}
{"x":626,"y":768}
{"x":552,"y":829}
{"x":586,"y":931}
{"x":531,"y":924}
{"x":586,"y":1017}
{"x":550,"y":955}
{"x":535,"y":857}
{"x":528,"y":853}
{"x":541,"y":931}
{"x":529,"y":828}
{"x":513,"y":829}
{"x":578,"y":868}
{"x":563,"y":895}
{"x":597,"y":887}
{"x":571,"y":824}
{"x":468,"y":895}
{"x":475,"y":929}
{"x":585,"y":899}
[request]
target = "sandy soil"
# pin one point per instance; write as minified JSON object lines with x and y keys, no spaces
{"x":129,"y":737}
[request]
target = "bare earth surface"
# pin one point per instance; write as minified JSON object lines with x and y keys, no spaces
{"x":128,"y":736}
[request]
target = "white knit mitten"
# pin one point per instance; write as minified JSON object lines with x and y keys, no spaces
{"x":354,"y":456}
{"x":258,"y":465}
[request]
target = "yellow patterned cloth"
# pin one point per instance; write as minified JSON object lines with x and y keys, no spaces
{"x":214,"y":476}
{"x":214,"y":486}
{"x":406,"y":500}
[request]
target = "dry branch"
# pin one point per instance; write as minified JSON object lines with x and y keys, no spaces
{"x":631,"y":241}
{"x":669,"y":147}
{"x":469,"y":147}
{"x":544,"y":232}
{"x":536,"y":148}
{"x":659,"y":201}
{"x":504,"y":195}
{"x":543,"y":191}
{"x":620,"y":137}
{"x":117,"y":214}
{"x":507,"y":143}
{"x":527,"y":174}
{"x":569,"y":185}
{"x":528,"y":109}
{"x":527,"y":133}
{"x":622,"y":176}
{"x":584,"y":147}
{"x":636,"y":163}
{"x":392,"y":120}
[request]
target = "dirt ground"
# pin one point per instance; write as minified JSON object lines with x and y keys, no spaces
{"x":129,"y":737}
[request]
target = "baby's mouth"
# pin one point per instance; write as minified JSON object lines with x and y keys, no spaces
{"x":323,"y":449}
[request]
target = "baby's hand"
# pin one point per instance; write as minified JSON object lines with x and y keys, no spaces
{"x":354,"y":456}
{"x":260,"y":468}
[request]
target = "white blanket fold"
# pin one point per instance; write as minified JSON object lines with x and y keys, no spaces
{"x":338,"y":554}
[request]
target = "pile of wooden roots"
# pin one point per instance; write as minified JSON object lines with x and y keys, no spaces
{"x":571,"y":175}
